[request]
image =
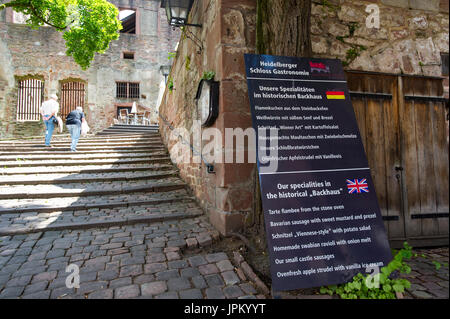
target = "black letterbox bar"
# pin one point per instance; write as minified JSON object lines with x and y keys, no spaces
{"x":427,"y":216}
{"x":370,"y":95}
{"x":390,"y":218}
{"x":426,"y":98}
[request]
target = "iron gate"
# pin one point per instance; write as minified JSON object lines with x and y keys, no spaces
{"x":29,"y":100}
{"x":72,"y":95}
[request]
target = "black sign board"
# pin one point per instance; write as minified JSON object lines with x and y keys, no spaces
{"x":321,"y":213}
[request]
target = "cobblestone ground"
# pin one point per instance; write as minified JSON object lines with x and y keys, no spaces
{"x":430,"y":274}
{"x":141,"y":261}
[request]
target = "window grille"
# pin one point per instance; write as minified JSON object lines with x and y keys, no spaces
{"x":127,"y":90}
{"x":29,"y":100}
{"x":72,"y":95}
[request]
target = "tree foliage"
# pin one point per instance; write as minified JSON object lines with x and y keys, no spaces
{"x":88,"y":26}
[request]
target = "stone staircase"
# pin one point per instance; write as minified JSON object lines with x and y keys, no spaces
{"x":126,"y":129}
{"x":122,"y":176}
{"x":118,"y":211}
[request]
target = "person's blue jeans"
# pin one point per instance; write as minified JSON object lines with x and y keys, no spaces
{"x":50,"y":127}
{"x":75,"y":132}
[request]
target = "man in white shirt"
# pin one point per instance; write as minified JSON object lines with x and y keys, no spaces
{"x":49,"y":110}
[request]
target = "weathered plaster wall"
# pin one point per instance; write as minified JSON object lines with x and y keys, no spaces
{"x":25,"y":52}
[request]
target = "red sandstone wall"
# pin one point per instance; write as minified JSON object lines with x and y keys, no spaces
{"x":228,"y":32}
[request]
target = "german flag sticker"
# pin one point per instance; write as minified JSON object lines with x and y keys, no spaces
{"x":335,"y":95}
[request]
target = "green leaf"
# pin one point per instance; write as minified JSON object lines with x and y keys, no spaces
{"x":387,"y":288}
{"x":324,"y":290}
{"x":398,"y":288}
{"x":88,"y":26}
{"x":208,"y":75}
{"x":383,"y":278}
{"x":437,"y":264}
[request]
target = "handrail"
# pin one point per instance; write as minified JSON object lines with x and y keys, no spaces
{"x":209,"y":167}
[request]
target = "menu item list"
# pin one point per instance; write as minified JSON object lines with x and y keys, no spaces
{"x":322,"y":217}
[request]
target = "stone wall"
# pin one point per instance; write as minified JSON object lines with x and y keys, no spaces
{"x":41,"y":53}
{"x":411,"y":37}
{"x":409,"y":40}
{"x":228,"y":32}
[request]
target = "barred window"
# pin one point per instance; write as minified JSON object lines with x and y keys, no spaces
{"x":72,"y":94}
{"x":127,"y":90}
{"x":29,"y":99}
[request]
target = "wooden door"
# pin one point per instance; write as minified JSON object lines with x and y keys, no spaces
{"x":425,"y":160}
{"x":374,"y":100}
{"x":403,"y":126}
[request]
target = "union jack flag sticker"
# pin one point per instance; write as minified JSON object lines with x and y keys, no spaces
{"x":357,"y":186}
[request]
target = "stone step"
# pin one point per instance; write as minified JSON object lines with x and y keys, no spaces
{"x":35,"y":179}
{"x":134,"y":128}
{"x":110,"y":133}
{"x":80,"y":149}
{"x":92,"y":169}
{"x":57,"y":136}
{"x":103,"y":152}
{"x":131,"y":126}
{"x":73,"y":156}
{"x":128,"y":134}
{"x":137,"y":125}
{"x":88,"y":141}
{"x":89,"y":189}
{"x":27,"y":223}
{"x":83,"y":144}
{"x":145,"y":138}
{"x":79,"y":207}
{"x":49,"y":164}
{"x":48,"y":205}
{"x":35,"y":137}
{"x":125,"y":130}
